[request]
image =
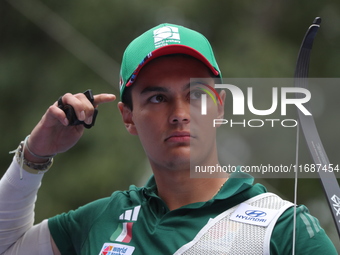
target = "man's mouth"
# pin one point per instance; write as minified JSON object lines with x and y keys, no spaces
{"x":179,"y":136}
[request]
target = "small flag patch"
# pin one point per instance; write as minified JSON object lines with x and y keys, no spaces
{"x":123,"y":233}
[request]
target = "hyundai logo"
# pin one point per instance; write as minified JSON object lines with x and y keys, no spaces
{"x":255,"y":213}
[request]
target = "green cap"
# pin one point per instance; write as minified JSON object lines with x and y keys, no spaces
{"x":164,"y":39}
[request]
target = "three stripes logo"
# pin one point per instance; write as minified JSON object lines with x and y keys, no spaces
{"x":123,"y":233}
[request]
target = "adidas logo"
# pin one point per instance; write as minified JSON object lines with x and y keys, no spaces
{"x":130,"y":215}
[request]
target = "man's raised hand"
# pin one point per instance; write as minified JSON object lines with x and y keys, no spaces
{"x":53,"y":134}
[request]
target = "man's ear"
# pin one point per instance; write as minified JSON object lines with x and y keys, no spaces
{"x":126,"y":113}
{"x":220,"y":109}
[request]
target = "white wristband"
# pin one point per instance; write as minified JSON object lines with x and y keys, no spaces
{"x":36,"y":168}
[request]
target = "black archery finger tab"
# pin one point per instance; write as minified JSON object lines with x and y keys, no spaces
{"x":89,"y":95}
{"x":71,"y":115}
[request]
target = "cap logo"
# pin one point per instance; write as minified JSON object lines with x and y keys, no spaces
{"x":166,"y":35}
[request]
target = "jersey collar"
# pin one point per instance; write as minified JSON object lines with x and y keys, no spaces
{"x":237,"y":183}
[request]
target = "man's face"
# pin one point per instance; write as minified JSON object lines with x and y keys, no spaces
{"x":166,"y":113}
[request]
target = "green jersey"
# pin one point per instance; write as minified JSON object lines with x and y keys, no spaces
{"x":138,"y":222}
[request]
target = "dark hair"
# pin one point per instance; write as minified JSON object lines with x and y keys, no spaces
{"x":127,"y":97}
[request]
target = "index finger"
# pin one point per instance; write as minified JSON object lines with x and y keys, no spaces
{"x":103,"y":98}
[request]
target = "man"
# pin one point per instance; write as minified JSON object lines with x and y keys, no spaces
{"x":172,"y":213}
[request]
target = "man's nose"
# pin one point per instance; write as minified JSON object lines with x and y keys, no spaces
{"x":180,"y":112}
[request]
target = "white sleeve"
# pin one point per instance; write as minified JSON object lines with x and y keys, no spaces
{"x":17,"y":199}
{"x":37,"y":241}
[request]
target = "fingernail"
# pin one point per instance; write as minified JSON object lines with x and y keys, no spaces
{"x":89,"y":120}
{"x":82,"y":115}
{"x":66,"y":122}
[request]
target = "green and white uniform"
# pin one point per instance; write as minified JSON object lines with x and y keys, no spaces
{"x":138,"y":222}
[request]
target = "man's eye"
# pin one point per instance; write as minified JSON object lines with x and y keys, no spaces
{"x":196,"y":94}
{"x":157,"y":99}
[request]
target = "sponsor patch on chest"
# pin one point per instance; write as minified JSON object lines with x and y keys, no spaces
{"x":116,"y":249}
{"x":253,"y":215}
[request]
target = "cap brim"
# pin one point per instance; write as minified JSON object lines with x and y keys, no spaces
{"x":174,"y":49}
